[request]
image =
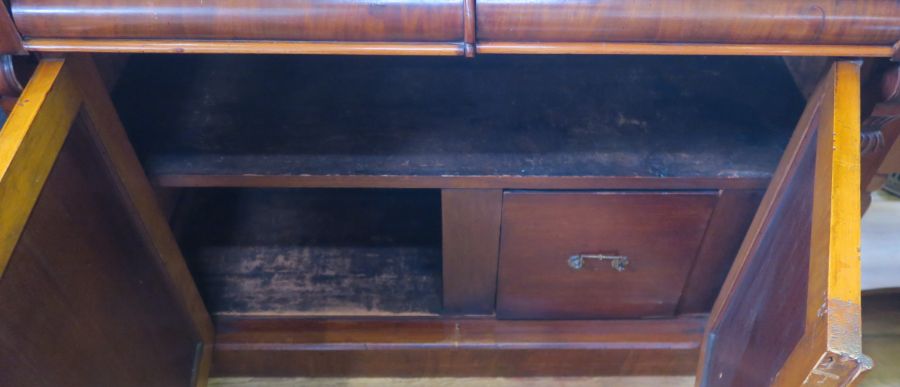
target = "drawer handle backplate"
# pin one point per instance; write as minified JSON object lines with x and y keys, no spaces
{"x":618,"y":262}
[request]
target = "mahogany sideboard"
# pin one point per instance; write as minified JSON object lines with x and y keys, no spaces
{"x":439,"y":188}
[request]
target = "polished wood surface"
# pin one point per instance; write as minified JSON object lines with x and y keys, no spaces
{"x":102,"y":122}
{"x":789,"y":309}
{"x":564,"y":48}
{"x":10,"y":86}
{"x":455,"y":347}
{"x":771,"y":290}
{"x":542,"y":230}
{"x":471,"y":243}
{"x":10,"y":40}
{"x":868,"y":22}
{"x":487,"y":122}
{"x":728,"y":225}
{"x":84,"y":301}
{"x":294,"y":20}
{"x":172,"y":46}
{"x":698,"y":27}
{"x":29,"y":141}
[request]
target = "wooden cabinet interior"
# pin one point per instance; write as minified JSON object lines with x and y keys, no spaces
{"x":487,"y":122}
{"x":469,"y":127}
{"x":314,"y":252}
{"x":336,"y":230}
{"x":383,"y":201}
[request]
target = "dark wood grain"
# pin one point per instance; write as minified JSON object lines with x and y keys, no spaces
{"x":788,"y":312}
{"x":10,"y":40}
{"x":173,"y":46}
{"x":659,"y":232}
{"x":471,"y":244}
{"x":304,"y":20}
{"x":463,"y":347}
{"x":774,"y":289}
{"x":102,"y":122}
{"x":868,"y":22}
{"x":416,"y":122}
{"x":314,"y":252}
{"x":727,"y":229}
{"x":612,"y":48}
{"x":83,"y":301}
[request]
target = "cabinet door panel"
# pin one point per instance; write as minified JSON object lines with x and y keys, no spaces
{"x":789,"y":311}
{"x":92,"y":292}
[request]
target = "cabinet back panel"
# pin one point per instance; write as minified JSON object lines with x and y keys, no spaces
{"x":314,"y":252}
{"x":197,"y":119}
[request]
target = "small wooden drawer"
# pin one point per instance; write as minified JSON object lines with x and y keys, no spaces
{"x":573,"y":255}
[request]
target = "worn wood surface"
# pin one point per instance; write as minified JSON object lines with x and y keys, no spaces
{"x":160,"y":46}
{"x":83,"y":301}
{"x":795,"y":281}
{"x":471,"y":244}
{"x":659,"y":232}
{"x":298,"y":20}
{"x":830,"y":351}
{"x":727,"y":227}
{"x":420,"y":122}
{"x":314,"y":252}
{"x":463,"y":347}
{"x":29,"y":142}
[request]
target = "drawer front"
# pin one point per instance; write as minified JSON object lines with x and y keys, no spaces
{"x":690,"y":21}
{"x":571,"y":255}
{"x":296,"y":20}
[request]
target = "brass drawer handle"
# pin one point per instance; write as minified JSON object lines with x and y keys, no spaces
{"x":618,"y":262}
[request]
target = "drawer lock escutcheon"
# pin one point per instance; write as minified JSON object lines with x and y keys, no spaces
{"x":618,"y":262}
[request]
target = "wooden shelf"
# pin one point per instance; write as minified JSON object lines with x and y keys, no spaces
{"x":487,"y":122}
{"x":455,"y":347}
{"x":314,"y":252}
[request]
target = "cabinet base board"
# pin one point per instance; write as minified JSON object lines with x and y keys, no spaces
{"x":433,"y":347}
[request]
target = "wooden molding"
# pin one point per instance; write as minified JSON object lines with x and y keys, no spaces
{"x":682,"y":49}
{"x":282,"y":346}
{"x":469,"y":27}
{"x":243,"y":47}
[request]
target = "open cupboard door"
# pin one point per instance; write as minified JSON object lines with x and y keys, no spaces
{"x":93,"y":288}
{"x":789,"y":312}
